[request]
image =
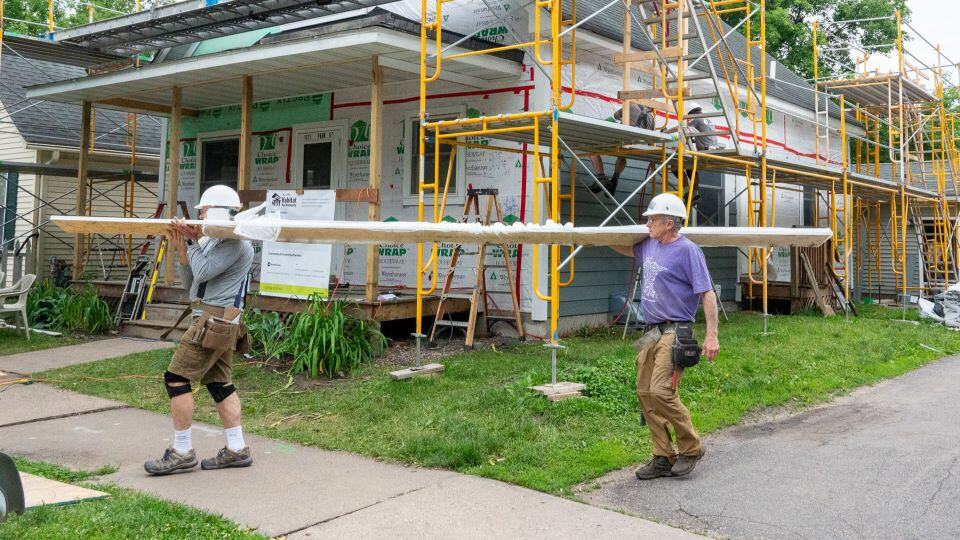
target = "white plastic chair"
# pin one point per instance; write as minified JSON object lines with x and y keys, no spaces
{"x":20,"y":290}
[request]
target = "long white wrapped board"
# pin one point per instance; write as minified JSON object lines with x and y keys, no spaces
{"x":376,"y":232}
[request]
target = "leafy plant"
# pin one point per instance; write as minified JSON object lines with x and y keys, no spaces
{"x":325,"y":339}
{"x":44,"y":305}
{"x":267,"y":330}
{"x":57,"y":308}
{"x":86,"y":312}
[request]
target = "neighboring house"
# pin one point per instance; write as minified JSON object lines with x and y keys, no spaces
{"x":39,"y":143}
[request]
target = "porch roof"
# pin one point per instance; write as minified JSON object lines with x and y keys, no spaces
{"x":308,"y":62}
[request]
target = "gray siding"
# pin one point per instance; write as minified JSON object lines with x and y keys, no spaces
{"x":887,"y":284}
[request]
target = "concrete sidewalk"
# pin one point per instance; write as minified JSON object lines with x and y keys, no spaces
{"x":33,"y":362}
{"x":291,"y":490}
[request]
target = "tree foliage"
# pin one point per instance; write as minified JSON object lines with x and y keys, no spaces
{"x":66,"y":13}
{"x":790,"y":36}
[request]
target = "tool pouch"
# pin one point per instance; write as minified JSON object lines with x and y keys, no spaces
{"x":218,"y":334}
{"x":243,"y":340}
{"x":686,"y":350}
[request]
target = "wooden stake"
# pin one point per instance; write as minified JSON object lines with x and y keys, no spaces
{"x":78,"y":247}
{"x":173,"y":174}
{"x":373,"y":209}
{"x":246,"y":127}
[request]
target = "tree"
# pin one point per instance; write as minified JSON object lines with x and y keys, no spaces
{"x":790,"y":37}
{"x":66,"y":13}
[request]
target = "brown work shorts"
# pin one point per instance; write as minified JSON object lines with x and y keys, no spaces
{"x":197,"y":363}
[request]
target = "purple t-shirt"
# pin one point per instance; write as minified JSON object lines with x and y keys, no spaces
{"x":674,"y":277}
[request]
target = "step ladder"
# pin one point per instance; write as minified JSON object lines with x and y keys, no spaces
{"x":472,"y":214}
{"x":138,"y":290}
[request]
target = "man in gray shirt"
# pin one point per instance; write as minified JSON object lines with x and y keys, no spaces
{"x":701,"y":125}
{"x":214,"y":271}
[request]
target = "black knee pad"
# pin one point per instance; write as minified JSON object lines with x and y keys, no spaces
{"x":220,"y":391}
{"x":178,"y":390}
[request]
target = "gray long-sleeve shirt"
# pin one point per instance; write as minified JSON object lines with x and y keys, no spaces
{"x":221,"y":263}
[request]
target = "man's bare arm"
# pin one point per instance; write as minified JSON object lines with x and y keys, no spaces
{"x":711,"y":343}
{"x":626,"y":251}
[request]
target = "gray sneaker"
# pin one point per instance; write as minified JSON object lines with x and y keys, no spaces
{"x":171,"y":462}
{"x":685,"y":464}
{"x":655,"y":468}
{"x":228,"y":458}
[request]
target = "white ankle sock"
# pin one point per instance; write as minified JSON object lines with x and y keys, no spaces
{"x":235,"y":438}
{"x":183,"y":440}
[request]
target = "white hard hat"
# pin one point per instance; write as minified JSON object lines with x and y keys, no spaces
{"x":221,"y":196}
{"x":667,"y":204}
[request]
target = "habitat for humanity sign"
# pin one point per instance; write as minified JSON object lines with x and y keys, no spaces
{"x":295,"y":270}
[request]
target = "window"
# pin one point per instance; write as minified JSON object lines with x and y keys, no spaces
{"x":809,"y":197}
{"x":413,"y":166}
{"x":220,"y":161}
{"x":710,"y":208}
{"x":8,"y":192}
{"x":317,"y":161}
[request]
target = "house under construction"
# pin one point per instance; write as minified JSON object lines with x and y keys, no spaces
{"x":405,"y":107}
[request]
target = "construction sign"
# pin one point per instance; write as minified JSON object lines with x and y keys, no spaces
{"x":297,"y":270}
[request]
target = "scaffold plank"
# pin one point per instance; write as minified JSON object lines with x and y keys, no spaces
{"x":580,"y":133}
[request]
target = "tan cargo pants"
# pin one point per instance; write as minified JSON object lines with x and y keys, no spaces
{"x":659,"y":401}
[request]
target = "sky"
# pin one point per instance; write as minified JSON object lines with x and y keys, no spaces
{"x":939,"y":22}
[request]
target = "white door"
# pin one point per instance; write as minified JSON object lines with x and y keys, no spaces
{"x":318,"y":161}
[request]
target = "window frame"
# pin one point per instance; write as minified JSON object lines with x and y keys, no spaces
{"x":411,"y":142}
{"x":212,"y":136}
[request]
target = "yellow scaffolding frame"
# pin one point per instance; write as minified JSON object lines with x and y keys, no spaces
{"x":854,"y":188}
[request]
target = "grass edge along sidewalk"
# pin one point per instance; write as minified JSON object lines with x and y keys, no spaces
{"x":13,"y":342}
{"x":124,"y":514}
{"x":480,"y":418}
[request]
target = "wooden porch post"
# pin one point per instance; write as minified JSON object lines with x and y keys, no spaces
{"x":78,"y":247}
{"x":246,"y":127}
{"x":173,"y":177}
{"x":373,"y":208}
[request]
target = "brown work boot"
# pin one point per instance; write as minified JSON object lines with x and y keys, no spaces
{"x":171,"y":462}
{"x":655,"y":468}
{"x":226,"y":458}
{"x":685,"y":464}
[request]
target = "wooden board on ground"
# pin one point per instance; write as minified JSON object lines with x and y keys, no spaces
{"x":560,"y":390}
{"x":411,"y":372}
{"x":39,"y":491}
{"x":820,"y":300}
{"x":376,"y":232}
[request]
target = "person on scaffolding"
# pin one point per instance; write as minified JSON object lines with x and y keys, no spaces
{"x":675,"y":279}
{"x":214,"y":271}
{"x":641,"y":117}
{"x":697,"y":124}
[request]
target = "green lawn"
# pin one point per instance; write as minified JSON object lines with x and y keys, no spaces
{"x":125,"y":514}
{"x":13,"y":342}
{"x":479,"y":417}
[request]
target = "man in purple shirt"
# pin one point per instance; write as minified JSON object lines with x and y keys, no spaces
{"x":675,"y":280}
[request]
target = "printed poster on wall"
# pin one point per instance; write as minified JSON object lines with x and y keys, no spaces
{"x":270,"y":159}
{"x":293,"y":270}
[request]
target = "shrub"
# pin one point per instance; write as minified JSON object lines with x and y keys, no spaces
{"x":325,"y":339}
{"x":44,"y":305}
{"x":267,"y":331}
{"x":56,"y":308}
{"x":86,"y":312}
